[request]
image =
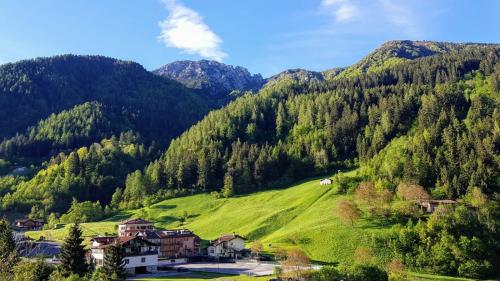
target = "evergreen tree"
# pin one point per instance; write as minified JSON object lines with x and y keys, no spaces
{"x":228,"y":189}
{"x":73,"y":253}
{"x":8,"y":253}
{"x":113,"y":263}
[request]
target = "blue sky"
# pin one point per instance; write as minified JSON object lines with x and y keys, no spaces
{"x":266,"y":36}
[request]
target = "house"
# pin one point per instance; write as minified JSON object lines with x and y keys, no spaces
{"x":227,"y":246}
{"x":178,"y":245}
{"x":133,"y":226}
{"x":140,"y":255}
{"x":325,"y":181}
{"x":29,"y":224}
{"x":150,"y":235}
{"x":430,"y":205}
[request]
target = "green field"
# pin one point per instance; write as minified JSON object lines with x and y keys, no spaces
{"x":299,"y":216}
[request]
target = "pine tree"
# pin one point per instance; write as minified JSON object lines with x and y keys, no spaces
{"x":228,"y":189}
{"x":73,"y":253}
{"x":114,"y":266}
{"x":72,"y":164}
{"x":8,"y":253}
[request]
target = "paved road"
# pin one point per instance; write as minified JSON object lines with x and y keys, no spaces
{"x":239,"y":268}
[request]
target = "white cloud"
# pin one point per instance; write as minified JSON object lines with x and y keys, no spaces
{"x":184,"y":29}
{"x":401,"y":16}
{"x":342,"y":10}
{"x":361,"y":16}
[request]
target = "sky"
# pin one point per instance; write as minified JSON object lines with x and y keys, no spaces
{"x":265,"y":36}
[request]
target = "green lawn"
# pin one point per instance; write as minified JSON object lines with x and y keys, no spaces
{"x":299,"y":216}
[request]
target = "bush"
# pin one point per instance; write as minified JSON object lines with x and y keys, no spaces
{"x":364,"y":273}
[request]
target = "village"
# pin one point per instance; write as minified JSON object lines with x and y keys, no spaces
{"x":153,"y":251}
{"x":148,"y":250}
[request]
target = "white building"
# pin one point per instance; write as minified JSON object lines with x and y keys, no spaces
{"x":325,"y":181}
{"x":133,"y":226}
{"x":227,"y":246}
{"x":141,"y":255}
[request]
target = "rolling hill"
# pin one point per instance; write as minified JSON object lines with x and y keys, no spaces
{"x":301,"y":215}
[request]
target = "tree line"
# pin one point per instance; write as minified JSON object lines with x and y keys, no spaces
{"x":292,"y":130}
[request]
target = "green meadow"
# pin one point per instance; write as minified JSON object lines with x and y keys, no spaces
{"x":302,"y":215}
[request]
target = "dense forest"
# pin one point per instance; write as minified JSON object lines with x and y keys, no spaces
{"x":66,"y":102}
{"x":88,"y":174}
{"x":447,"y":104}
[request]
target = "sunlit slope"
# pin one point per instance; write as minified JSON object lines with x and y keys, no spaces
{"x":302,"y":215}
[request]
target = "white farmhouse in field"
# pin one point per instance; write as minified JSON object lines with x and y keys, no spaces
{"x":141,"y":255}
{"x":227,"y":246}
{"x":325,"y":181}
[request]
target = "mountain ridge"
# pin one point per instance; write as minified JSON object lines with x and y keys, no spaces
{"x":213,"y":78}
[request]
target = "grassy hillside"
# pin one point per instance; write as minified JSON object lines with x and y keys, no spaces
{"x":299,"y":216}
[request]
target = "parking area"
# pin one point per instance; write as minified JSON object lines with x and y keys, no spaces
{"x":239,"y":268}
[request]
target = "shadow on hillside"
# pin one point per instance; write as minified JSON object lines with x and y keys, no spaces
{"x":193,"y":216}
{"x":118,"y":218}
{"x":166,"y":219}
{"x":164,"y":207}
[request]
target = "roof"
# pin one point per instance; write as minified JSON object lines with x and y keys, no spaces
{"x":172,"y":233}
{"x":103,"y":239}
{"x":227,"y":238}
{"x":123,"y":240}
{"x":25,"y":221}
{"x":136,"y":221}
{"x":446,"y":201}
{"x":148,"y":234}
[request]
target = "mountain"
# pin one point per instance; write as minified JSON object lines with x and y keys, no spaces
{"x":299,"y":75}
{"x":70,"y":101}
{"x":292,"y":129}
{"x":397,"y":51}
{"x":390,"y":53}
{"x":212,"y":78}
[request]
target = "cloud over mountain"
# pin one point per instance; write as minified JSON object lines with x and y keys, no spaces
{"x":185,"y":29}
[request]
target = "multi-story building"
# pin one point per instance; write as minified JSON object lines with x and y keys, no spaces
{"x":140,"y":255}
{"x":176,"y":245}
{"x":133,"y":226}
{"x":179,"y":243}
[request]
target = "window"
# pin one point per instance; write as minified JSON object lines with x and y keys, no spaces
{"x":143,"y":260}
{"x":126,"y":261}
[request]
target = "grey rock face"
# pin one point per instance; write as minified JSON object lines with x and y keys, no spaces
{"x":214,"y":78}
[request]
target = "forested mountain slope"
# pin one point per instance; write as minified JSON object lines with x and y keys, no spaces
{"x":397,"y":51}
{"x":69,"y":101}
{"x":291,"y":130}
